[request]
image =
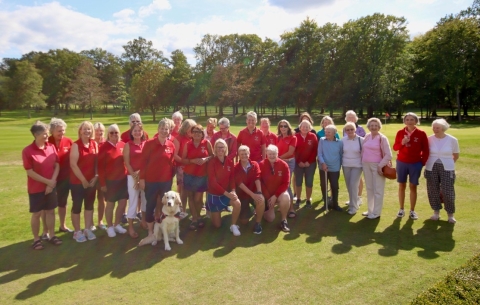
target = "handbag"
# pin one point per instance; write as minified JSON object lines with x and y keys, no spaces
{"x":388,"y":171}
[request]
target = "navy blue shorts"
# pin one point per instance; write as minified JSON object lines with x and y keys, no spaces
{"x":116,"y":190}
{"x":40,"y":201}
{"x":216,"y":203}
{"x":194,"y":183}
{"x":412,"y":170}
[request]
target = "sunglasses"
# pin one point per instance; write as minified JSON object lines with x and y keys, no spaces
{"x":283,"y":126}
{"x":113,"y":132}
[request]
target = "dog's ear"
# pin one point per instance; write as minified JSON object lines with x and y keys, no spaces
{"x":177,"y":199}
{"x":164,"y":199}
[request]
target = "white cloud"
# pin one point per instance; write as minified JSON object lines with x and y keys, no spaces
{"x":154,"y":7}
{"x":300,"y":5}
{"x":51,"y":26}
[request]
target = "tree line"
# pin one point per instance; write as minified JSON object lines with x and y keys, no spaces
{"x":369,"y":65}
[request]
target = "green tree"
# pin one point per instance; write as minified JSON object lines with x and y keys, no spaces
{"x":180,"y":82}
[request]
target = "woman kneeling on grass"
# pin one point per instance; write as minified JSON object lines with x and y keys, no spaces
{"x":40,"y":160}
{"x":83,"y":179}
{"x":113,"y":179}
{"x":440,"y":170}
{"x":221,"y":187}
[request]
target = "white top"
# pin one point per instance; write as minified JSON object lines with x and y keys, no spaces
{"x":352,"y":152}
{"x":442,"y":149}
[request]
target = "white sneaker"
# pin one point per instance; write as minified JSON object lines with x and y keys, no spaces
{"x":373,"y":216}
{"x":365,"y":214}
{"x":413,"y":215}
{"x":235,"y":230}
{"x":359,"y":201}
{"x":79,"y":237}
{"x":401,"y":213}
{"x":93,"y":228}
{"x":352,"y":212}
{"x":452,"y":219}
{"x":89,"y":234}
{"x":111,"y":232}
{"x":435,"y":216}
{"x":119,"y":229}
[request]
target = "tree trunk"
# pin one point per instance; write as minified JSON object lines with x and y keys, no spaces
{"x":369,"y":111}
{"x":205,"y":107}
{"x":458,"y":105}
{"x":219,"y":110}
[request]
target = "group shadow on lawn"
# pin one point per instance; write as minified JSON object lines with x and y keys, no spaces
{"x":120,"y":256}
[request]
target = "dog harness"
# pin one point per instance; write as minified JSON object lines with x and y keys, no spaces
{"x":163,"y":216}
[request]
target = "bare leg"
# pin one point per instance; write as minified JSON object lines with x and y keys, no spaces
{"x":109,"y":213}
{"x":216,"y":218}
{"x":101,"y":207}
{"x":35,"y":224}
{"x":62,"y":215}
{"x":360,"y":187}
{"x":88,"y":215}
{"x":75,"y":221}
{"x":122,"y":204}
{"x":50,"y":221}
{"x":401,"y":194}
{"x":236,"y":210}
{"x":44,"y":222}
{"x":413,"y":196}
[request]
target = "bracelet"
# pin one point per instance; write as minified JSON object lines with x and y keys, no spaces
{"x":258,"y":193}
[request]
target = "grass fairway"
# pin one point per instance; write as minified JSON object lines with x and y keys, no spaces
{"x":326,"y":259}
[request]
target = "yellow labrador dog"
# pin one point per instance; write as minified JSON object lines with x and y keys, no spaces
{"x":167,"y":227}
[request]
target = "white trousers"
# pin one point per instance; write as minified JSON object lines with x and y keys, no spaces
{"x":375,"y":185}
{"x":352,"y":180}
{"x":133,"y":195}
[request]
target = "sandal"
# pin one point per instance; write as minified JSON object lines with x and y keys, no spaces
{"x":55,"y":241}
{"x":292,"y":214}
{"x":193,"y":226}
{"x":37,"y":245}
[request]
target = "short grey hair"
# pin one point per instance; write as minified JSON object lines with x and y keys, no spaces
{"x":252,"y":114}
{"x":244,"y":148}
{"x":272,"y":148}
{"x":331,"y":127}
{"x":351,"y":112}
{"x":55,"y":122}
{"x":135,"y":116}
{"x":376,"y":120}
{"x":305,"y":122}
{"x":38,"y":127}
{"x":441,"y":122}
{"x":417,"y":120}
{"x":224,"y":121}
{"x":177,"y":114}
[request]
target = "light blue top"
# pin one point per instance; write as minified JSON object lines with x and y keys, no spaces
{"x":330,"y":153}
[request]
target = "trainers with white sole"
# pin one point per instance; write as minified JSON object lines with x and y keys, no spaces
{"x":79,"y":237}
{"x":235,"y":230}
{"x":89,"y":234}
{"x":435,"y":216}
{"x":401,"y":213}
{"x":111,"y":232}
{"x":119,"y":229}
{"x":413,"y":215}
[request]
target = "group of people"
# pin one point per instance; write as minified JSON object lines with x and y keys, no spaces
{"x":255,"y":168}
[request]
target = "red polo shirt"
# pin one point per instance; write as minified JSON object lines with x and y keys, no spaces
{"x":42,"y":162}
{"x":270,"y":138}
{"x":87,"y":157}
{"x":253,"y":140}
{"x":284,"y":143}
{"x":220,"y":176}
{"x":182,"y":140}
{"x":63,"y":152}
{"x":416,"y":150}
{"x":246,"y":177}
{"x":125,"y":136}
{"x":110,"y":162}
{"x":274,"y":179}
{"x":231,"y":141}
{"x":135,"y":154}
{"x":306,"y":150}
{"x":157,"y":161}
{"x":201,"y":151}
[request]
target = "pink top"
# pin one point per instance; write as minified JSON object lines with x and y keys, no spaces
{"x":371,"y":150}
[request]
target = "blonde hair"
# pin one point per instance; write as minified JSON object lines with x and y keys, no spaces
{"x":186,"y":126}
{"x":212,"y":121}
{"x":220,"y":141}
{"x":326,"y":118}
{"x":89,"y":124}
{"x":244,"y":148}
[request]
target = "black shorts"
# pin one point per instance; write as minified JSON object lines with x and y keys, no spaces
{"x":81,"y":196}
{"x":116,"y":190}
{"x":63,"y":188}
{"x":40,"y":201}
{"x":245,"y":210}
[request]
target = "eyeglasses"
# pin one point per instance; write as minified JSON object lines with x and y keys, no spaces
{"x":283,"y":126}
{"x":113,"y":132}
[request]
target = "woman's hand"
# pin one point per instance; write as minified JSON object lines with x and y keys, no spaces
{"x":258,"y":198}
{"x":232,"y":195}
{"x":48,"y":190}
{"x":379,"y":170}
{"x":135,"y":175}
{"x":103,"y":189}
{"x":324,"y":167}
{"x":85,"y":184}
{"x":93,"y":181}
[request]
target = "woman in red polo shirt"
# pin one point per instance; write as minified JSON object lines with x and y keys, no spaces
{"x":253,"y":138}
{"x":195,"y":156}
{"x":40,"y":160}
{"x":286,"y":144}
{"x":271,"y":138}
{"x":132,"y":156}
{"x":100,"y":139}
{"x":184,"y":135}
{"x":62,"y":145}
{"x":305,"y":162}
{"x":248,"y":188}
{"x":112,"y":175}
{"x":83,"y":179}
{"x":156,"y":171}
{"x":221,"y":187}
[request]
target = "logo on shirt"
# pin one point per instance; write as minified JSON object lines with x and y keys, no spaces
{"x":121,"y":150}
{"x":256,"y":138}
{"x":167,"y":150}
{"x":309,"y":142}
{"x":228,"y":168}
{"x":415,"y":139}
{"x":66,"y":149}
{"x":279,"y":173}
{"x":203,"y":149}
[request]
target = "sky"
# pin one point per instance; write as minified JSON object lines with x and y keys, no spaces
{"x":78,"y":25}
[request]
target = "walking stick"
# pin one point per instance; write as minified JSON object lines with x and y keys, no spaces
{"x":326,"y":192}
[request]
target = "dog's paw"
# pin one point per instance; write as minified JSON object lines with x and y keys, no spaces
{"x":154,"y":243}
{"x":179,"y":241}
{"x":167,"y":248}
